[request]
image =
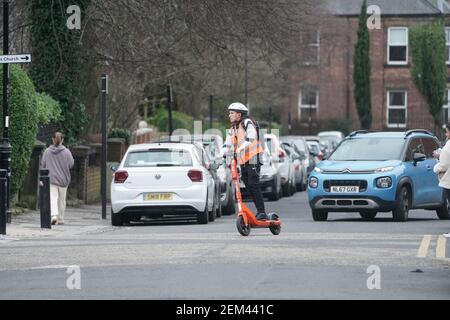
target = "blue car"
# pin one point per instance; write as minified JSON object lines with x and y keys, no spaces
{"x":371,"y":172}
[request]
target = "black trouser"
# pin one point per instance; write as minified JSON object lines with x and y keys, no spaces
{"x":250,"y":176}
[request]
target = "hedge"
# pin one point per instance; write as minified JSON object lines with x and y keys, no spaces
{"x":23,"y":123}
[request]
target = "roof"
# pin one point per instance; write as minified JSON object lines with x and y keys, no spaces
{"x":146,"y":146}
{"x":392,"y":134}
{"x":388,"y":7}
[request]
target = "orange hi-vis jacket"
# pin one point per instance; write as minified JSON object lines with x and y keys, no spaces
{"x":250,"y":151}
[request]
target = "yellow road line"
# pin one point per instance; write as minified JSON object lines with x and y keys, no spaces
{"x":423,"y":249}
{"x":440,"y":248}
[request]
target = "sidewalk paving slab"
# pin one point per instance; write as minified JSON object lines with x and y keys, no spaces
{"x":81,"y":220}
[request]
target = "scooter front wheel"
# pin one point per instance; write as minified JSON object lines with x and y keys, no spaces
{"x":242,"y":228}
{"x":276,"y":229}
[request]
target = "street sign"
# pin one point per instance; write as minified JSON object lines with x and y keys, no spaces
{"x":19,"y":58}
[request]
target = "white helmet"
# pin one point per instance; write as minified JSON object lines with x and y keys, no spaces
{"x":238,"y":107}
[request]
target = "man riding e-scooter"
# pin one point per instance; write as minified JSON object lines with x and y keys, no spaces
{"x":244,"y":134}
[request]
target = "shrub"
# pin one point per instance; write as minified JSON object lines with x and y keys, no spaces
{"x":120,"y":133}
{"x":23,"y":123}
{"x":180,"y":120}
{"x":48,"y":109}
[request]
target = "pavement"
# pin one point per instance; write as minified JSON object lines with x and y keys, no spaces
{"x":80,"y":220}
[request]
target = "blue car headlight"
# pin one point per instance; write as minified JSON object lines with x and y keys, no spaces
{"x":384,"y":182}
{"x":313,"y":182}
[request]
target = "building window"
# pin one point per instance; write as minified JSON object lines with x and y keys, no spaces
{"x":445,"y":107}
{"x":397,"y":109}
{"x":311,"y":45}
{"x":447,"y":44}
{"x":398,"y":46}
{"x":308,"y":105}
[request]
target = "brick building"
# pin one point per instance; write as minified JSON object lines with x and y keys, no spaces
{"x":321,"y":82}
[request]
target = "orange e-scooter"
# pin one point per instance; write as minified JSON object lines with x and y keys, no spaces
{"x":245,"y":218}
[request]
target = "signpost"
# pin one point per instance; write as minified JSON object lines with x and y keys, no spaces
{"x":5,"y":147}
{"x":18,"y":58}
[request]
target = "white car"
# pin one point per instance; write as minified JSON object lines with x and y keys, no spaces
{"x":159,"y":179}
{"x":282,"y":162}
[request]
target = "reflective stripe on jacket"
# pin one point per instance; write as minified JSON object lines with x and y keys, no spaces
{"x":251,"y":150}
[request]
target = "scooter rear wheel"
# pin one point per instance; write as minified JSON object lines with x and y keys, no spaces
{"x":275,"y":229}
{"x":242,"y":228}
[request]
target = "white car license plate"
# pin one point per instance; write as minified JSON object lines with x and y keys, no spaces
{"x":158,"y":197}
{"x":344,"y":189}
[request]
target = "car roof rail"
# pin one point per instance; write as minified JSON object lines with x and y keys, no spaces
{"x":354,"y":133}
{"x":409,"y":132}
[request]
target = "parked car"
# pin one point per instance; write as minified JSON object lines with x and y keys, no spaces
{"x":300,"y":170}
{"x":160,"y":179}
{"x":281,"y":161}
{"x":213,"y":144}
{"x":304,"y":151}
{"x":338,"y":136}
{"x":316,"y":151}
{"x":379,"y":172}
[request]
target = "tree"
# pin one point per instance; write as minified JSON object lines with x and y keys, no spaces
{"x":361,"y":72}
{"x":59,"y":61}
{"x":429,"y":68}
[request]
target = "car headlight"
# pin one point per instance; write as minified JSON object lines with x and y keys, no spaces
{"x":384,"y":182}
{"x":385,"y":169}
{"x":318,"y":170}
{"x":313,"y":182}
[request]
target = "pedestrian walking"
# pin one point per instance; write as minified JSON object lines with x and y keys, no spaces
{"x":58,"y":160}
{"x":442,"y":166}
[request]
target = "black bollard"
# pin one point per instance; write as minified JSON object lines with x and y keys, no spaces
{"x":3,"y":197}
{"x":44,"y":199}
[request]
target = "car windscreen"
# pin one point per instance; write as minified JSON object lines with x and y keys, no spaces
{"x":369,"y":149}
{"x":314,"y":147}
{"x":159,"y":158}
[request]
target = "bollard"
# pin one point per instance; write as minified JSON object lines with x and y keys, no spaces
{"x":44,"y":199}
{"x":3,"y":198}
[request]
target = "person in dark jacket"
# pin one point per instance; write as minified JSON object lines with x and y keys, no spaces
{"x":58,"y":160}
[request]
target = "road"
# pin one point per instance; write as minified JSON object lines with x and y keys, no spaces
{"x":343,"y":258}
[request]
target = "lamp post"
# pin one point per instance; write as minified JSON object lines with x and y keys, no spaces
{"x":5,"y":147}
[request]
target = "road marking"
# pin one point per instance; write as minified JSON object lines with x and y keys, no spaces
{"x":440,"y":248}
{"x":423,"y":249}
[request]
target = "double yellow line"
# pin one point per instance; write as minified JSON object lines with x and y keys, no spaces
{"x":425,"y":244}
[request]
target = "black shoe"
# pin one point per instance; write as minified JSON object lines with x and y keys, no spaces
{"x":262,"y":216}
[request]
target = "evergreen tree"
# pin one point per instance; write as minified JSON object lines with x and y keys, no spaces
{"x":361,"y":72}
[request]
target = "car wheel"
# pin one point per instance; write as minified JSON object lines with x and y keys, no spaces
{"x":212,"y":213}
{"x":116,"y":219}
{"x":293,"y":188}
{"x":202,"y":217}
{"x":367,"y":216}
{"x":219,"y":206}
{"x":286,"y":189}
{"x":319,"y":215}
{"x":444,"y":211}
{"x":230,"y":208}
{"x":401,"y":210}
{"x":274,"y":195}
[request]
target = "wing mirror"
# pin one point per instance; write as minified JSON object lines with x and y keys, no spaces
{"x":114,"y":167}
{"x":419,"y":157}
